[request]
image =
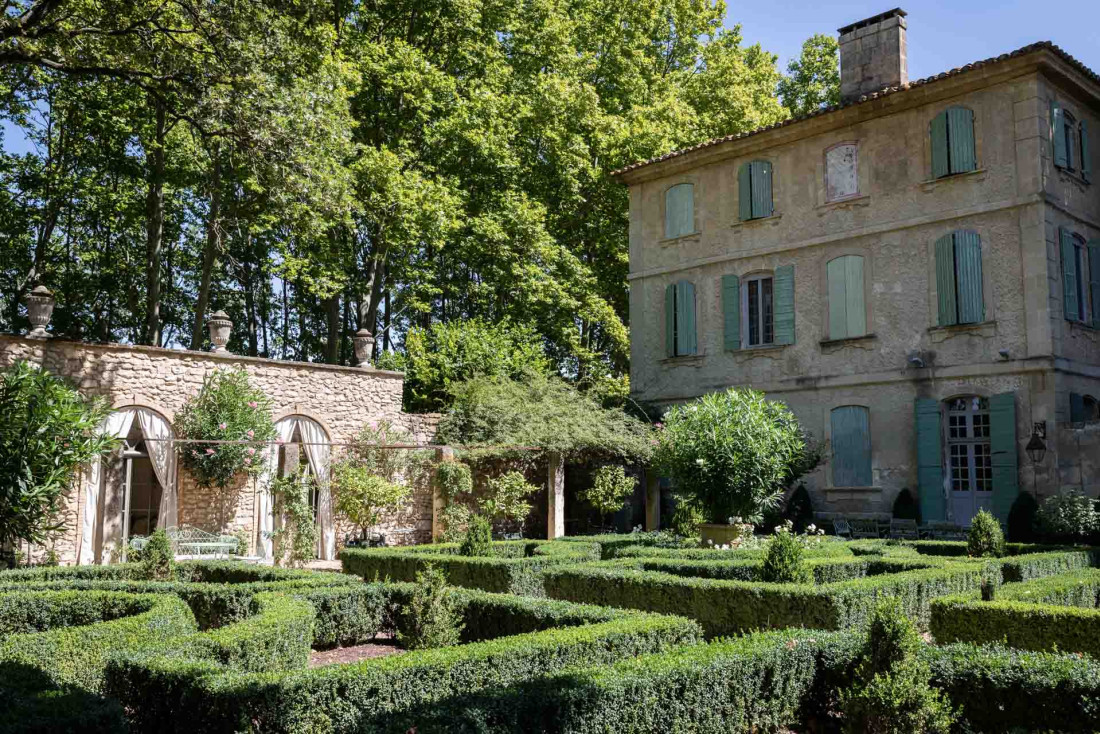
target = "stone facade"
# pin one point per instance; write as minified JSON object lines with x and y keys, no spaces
{"x":341,"y":399}
{"x":1015,"y":200}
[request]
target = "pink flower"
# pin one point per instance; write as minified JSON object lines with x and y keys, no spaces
{"x":252,"y":404}
{"x":247,"y":462}
{"x":658,"y":424}
{"x":209,"y":451}
{"x":221,"y":426}
{"x":251,"y":451}
{"x":278,"y":440}
{"x":655,"y":442}
{"x":250,"y":433}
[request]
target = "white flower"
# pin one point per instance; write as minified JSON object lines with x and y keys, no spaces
{"x":710,"y":541}
{"x":700,"y":462}
{"x":811,"y":528}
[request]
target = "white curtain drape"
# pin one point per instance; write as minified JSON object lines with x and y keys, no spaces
{"x":284,"y":430}
{"x":319,"y":452}
{"x":162,"y":454}
{"x":116,"y":424}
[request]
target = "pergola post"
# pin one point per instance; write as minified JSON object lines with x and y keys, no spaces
{"x":438,"y":504}
{"x":652,"y":500}
{"x":555,"y":493}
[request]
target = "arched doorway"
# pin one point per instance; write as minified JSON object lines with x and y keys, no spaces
{"x":969,"y":456}
{"x":311,"y":455}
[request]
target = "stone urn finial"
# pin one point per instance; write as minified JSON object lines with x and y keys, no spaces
{"x":39,"y":310}
{"x":220,"y":326}
{"x":364,"y":342}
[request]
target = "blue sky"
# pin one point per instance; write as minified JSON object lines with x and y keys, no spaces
{"x":942,"y":34}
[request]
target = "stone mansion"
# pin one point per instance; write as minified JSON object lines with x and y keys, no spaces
{"x":915,"y":272}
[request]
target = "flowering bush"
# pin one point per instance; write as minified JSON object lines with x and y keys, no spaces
{"x":1071,"y":516}
{"x":227,"y":408}
{"x":733,"y":453}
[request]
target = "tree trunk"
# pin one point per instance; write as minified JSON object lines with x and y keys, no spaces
{"x":154,"y":226}
{"x":209,"y":251}
{"x":332,"y":324}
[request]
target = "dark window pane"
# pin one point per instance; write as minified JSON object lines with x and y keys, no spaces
{"x":754,"y":312}
{"x":766,"y":297}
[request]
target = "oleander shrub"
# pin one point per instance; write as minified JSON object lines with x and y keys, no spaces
{"x":784,"y":562}
{"x":478,"y":540}
{"x":1069,"y":517}
{"x":431,"y":616}
{"x":985,"y":539}
{"x":891,"y":692}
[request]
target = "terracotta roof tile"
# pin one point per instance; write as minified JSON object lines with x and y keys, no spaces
{"x":869,"y":97}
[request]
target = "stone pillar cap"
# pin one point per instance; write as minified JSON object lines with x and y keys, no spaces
{"x":222,"y":315}
{"x":41,"y":290}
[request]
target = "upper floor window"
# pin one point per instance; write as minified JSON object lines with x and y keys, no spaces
{"x":841,"y":172}
{"x":959,"y":278}
{"x":1071,"y":142}
{"x":953,"y":148}
{"x":758,"y":310}
{"x":1083,"y":408}
{"x":847,"y":310}
{"x":679,"y":210}
{"x":850,"y":432}
{"x":680,"y":319}
{"x":1080,"y":278}
{"x":754,"y":190}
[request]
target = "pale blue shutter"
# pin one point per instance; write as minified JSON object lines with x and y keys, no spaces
{"x":945,"y":280}
{"x":761,"y":173}
{"x":1058,"y":125}
{"x":1094,"y":280}
{"x":851,"y":440}
{"x":968,"y":277}
{"x":847,"y":311}
{"x":940,"y":165}
{"x":1002,"y":440}
{"x":1069,"y":276}
{"x":670,"y":320}
{"x":685,"y":318}
{"x":960,"y":136}
{"x":680,"y":210}
{"x":784,"y":304}
{"x":744,"y":192}
{"x":930,"y":460}
{"x":731,"y":312}
{"x":1086,"y":159}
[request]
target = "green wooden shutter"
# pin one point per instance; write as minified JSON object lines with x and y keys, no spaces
{"x":930,"y":460}
{"x":1002,"y":439}
{"x":1094,"y":281}
{"x":761,"y":172}
{"x":731,"y":312}
{"x":851,"y":441}
{"x":1058,"y":130}
{"x":1086,"y":159}
{"x":1069,"y":276}
{"x":838,"y":299}
{"x":960,"y":136}
{"x":744,"y":192}
{"x":784,"y":304}
{"x":847,"y":312}
{"x":945,"y":280}
{"x":685,"y":312}
{"x":670,"y":320}
{"x":940,"y":166}
{"x":680,"y":210}
{"x":968,"y":277}
{"x":1076,"y":408}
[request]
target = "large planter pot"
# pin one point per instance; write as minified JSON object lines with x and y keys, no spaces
{"x":39,"y":310}
{"x":721,"y":534}
{"x":220,"y":326}
{"x":363,"y":341}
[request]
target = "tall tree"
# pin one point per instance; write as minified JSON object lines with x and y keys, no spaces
{"x":813,"y":79}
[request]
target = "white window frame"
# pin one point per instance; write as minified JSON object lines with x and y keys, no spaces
{"x":745,"y":331}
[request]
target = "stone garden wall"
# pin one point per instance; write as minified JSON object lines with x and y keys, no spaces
{"x":342,"y":399}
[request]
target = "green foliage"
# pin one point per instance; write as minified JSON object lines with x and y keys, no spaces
{"x":686,"y":518}
{"x":478,"y":540}
{"x":227,"y":408}
{"x":784,"y":562}
{"x":456,"y":522}
{"x":448,"y":353}
{"x":454,"y":479}
{"x":813,"y":79}
{"x":542,"y":412}
{"x":891,"y":692}
{"x":404,"y":466}
{"x":431,"y":617}
{"x":294,"y":541}
{"x":506,"y":499}
{"x":47,"y":432}
{"x":158,"y":560}
{"x":1071,"y":516}
{"x":732,"y":453}
{"x":985,"y":539}
{"x":1022,"y":518}
{"x":364,"y":498}
{"x":610,"y":489}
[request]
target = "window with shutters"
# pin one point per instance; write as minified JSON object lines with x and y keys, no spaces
{"x":959,"y":278}
{"x":680,"y":210}
{"x":1080,"y":278}
{"x":758,"y":310}
{"x":841,"y":172}
{"x":953,"y":147}
{"x":1070,"y":137}
{"x":754,"y":190}
{"x":847,"y":309}
{"x":969,"y":456}
{"x":680,"y":338}
{"x":1083,"y":408}
{"x":850,"y":437}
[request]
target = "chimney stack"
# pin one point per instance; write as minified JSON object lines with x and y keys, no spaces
{"x":873,"y":55}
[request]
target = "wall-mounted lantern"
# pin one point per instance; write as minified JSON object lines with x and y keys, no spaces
{"x":1037,"y":448}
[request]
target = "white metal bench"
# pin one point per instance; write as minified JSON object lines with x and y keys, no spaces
{"x":190,"y":541}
